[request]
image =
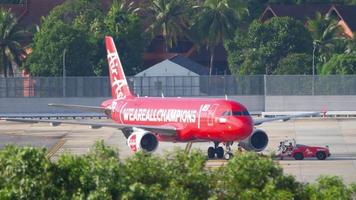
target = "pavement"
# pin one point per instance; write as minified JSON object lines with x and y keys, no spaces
{"x":338,"y":134}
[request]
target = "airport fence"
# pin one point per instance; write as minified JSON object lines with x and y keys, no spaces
{"x":285,"y":85}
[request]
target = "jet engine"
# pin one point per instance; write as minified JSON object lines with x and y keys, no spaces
{"x":257,"y":141}
{"x":141,"y":139}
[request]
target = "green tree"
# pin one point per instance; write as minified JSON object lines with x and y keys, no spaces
{"x":169,"y":18}
{"x":78,"y":27}
{"x":48,"y":50}
{"x":11,"y":38}
{"x":84,"y":25}
{"x":175,"y":176}
{"x":294,"y":63}
{"x":78,"y":12}
{"x":12,"y":1}
{"x":330,"y":187}
{"x":264,"y":44}
{"x":327,"y":37}
{"x":97,"y":175}
{"x":216,"y":22}
{"x":350,"y":46}
{"x":25,"y":173}
{"x":340,"y":64}
{"x":124,"y":25}
{"x":250,"y":176}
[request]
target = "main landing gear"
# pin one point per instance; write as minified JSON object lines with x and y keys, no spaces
{"x":219,"y":151}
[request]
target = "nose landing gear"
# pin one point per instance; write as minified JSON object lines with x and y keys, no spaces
{"x":228,"y":153}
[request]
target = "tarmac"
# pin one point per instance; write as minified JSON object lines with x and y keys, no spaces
{"x":338,"y":134}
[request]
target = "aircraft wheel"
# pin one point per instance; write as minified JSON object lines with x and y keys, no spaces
{"x":298,"y":156}
{"x":227,"y":156}
{"x":320,"y":155}
{"x":211,"y":152}
{"x":219,"y":152}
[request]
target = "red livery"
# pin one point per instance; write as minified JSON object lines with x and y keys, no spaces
{"x":147,"y":120}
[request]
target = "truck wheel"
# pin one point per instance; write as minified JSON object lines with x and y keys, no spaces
{"x":298,"y":156}
{"x":321,"y":155}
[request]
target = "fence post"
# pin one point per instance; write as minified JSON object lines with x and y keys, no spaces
{"x":223,"y":77}
{"x":313,"y":85}
{"x":264,"y":92}
{"x":6,"y":88}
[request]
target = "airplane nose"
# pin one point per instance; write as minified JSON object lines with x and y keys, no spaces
{"x":246,"y":127}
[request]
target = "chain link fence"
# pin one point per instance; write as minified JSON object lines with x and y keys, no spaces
{"x":181,"y":86}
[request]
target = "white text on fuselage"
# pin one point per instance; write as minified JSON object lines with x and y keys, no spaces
{"x":115,"y":67}
{"x":159,"y":115}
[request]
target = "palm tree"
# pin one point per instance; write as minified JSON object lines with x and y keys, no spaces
{"x":169,"y":18}
{"x":10,"y":48}
{"x":327,"y":36}
{"x":216,"y":22}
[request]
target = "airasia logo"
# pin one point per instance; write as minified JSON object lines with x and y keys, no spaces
{"x":132,"y":143}
{"x":307,"y":151}
{"x":117,"y":83}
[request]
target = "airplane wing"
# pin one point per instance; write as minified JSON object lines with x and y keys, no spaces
{"x":257,"y":122}
{"x":161,"y":130}
{"x":80,"y":107}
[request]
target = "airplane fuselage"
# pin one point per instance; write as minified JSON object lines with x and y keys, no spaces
{"x":196,"y":119}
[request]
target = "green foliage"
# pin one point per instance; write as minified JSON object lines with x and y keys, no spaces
{"x":68,"y":26}
{"x":125,"y":27}
{"x":98,"y":175}
{"x":216,"y":22}
{"x":178,"y":176}
{"x":294,"y":63}
{"x":340,"y":64}
{"x":12,"y":1}
{"x":79,"y":26}
{"x":265,"y":44}
{"x":49,"y":45}
{"x":311,"y":1}
{"x":248,"y":176}
{"x":168,"y":18}
{"x":26,"y":173}
{"x":330,"y":187}
{"x":327,"y":38}
{"x":11,"y":38}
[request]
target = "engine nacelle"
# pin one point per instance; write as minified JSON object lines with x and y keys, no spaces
{"x":257,"y":141}
{"x":141,"y":139}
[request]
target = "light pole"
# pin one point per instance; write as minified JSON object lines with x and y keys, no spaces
{"x":314,"y":48}
{"x":64,"y":72}
{"x":313,"y":77}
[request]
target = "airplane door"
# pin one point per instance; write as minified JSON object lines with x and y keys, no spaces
{"x":211,"y":114}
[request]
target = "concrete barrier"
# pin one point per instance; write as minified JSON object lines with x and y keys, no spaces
{"x":310,"y":103}
{"x":253,"y":103}
{"x":40,"y":105}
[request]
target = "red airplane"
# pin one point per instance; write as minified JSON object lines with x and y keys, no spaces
{"x":147,"y":120}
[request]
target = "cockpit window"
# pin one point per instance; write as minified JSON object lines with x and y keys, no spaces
{"x":246,"y":113}
{"x":226,"y":113}
{"x":236,"y":113}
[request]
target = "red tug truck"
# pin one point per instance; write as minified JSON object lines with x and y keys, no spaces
{"x":289,"y":149}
